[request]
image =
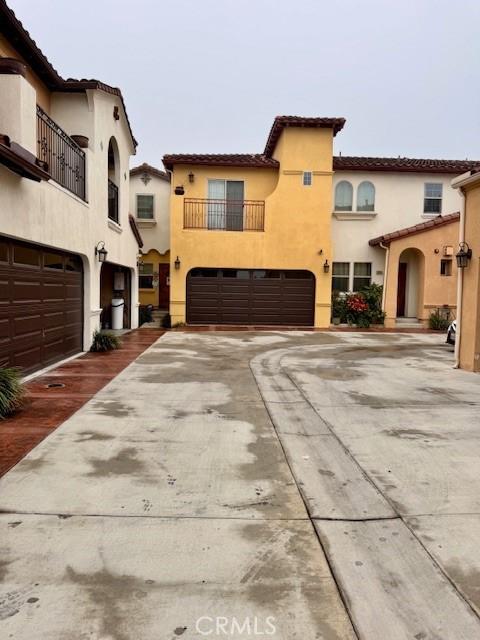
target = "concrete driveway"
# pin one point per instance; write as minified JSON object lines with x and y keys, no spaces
{"x":292,"y":485}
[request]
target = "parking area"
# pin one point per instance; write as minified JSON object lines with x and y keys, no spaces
{"x":318,"y":485}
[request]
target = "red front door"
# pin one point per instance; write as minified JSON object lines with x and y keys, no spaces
{"x":163,"y":286}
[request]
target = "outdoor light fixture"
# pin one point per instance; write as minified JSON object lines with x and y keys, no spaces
{"x":177,"y":263}
{"x":326,"y":266}
{"x":464,"y":255}
{"x":101,"y":252}
{"x":140,"y":260}
{"x":191,"y":177}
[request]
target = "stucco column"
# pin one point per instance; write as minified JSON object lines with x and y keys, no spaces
{"x":391,"y":286}
{"x":470,"y":326}
{"x":18,"y":106}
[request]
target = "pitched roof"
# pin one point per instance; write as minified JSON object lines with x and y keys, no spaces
{"x":147,"y":168}
{"x":221,"y":159}
{"x":281,"y":122}
{"x":19,"y":37}
{"x":419,"y":165}
{"x":439,"y":221}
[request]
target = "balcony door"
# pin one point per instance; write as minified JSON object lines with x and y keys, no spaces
{"x":227,"y":213}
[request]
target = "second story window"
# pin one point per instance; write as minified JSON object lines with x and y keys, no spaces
{"x":225,"y":204}
{"x":307,"y":178}
{"x":366,"y":197}
{"x":145,"y":207}
{"x":432,"y":202}
{"x":343,"y":196}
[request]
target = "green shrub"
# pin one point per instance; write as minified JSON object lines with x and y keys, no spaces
{"x":11,"y":391}
{"x":361,"y":309}
{"x":105,"y":342}
{"x":438,"y":322}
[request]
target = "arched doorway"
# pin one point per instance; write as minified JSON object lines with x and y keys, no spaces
{"x":410,"y":283}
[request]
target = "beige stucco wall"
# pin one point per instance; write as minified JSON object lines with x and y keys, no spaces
{"x":431,"y":290}
{"x":42,"y":93}
{"x":48,"y":214}
{"x":470,"y":320}
{"x":297,"y":219}
{"x":155,"y":233}
{"x":399,"y":198}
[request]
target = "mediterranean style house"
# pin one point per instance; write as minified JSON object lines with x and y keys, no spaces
{"x":251,"y":234}
{"x":67,"y":242}
{"x":310,"y":222}
{"x":467,"y":343}
{"x":150,"y":205}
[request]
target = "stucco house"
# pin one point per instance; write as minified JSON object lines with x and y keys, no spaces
{"x":150,"y":205}
{"x":251,"y":233}
{"x":376,"y":196}
{"x":420,"y":271}
{"x":67,"y":242}
{"x":467,"y":344}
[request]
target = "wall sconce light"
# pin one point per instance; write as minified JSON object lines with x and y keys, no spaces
{"x":101,"y":252}
{"x":177,"y":263}
{"x":464,"y":255}
{"x":140,"y":260}
{"x":191,"y":177}
{"x":116,"y":114}
{"x":326,"y":266}
{"x":320,"y":253}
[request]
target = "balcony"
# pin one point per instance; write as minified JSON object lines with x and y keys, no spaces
{"x":64,"y":159}
{"x":112,"y":201}
{"x":224,"y":215}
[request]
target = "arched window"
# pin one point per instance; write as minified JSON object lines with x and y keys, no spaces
{"x":113,"y":180}
{"x":366,"y":197}
{"x":343,"y":196}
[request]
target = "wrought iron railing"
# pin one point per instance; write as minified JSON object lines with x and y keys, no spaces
{"x":112,"y":201}
{"x":226,"y":215}
{"x":65,"y":160}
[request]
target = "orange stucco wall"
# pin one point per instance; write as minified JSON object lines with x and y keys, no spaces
{"x":43,"y":94}
{"x":470,"y":320}
{"x":433,"y":290}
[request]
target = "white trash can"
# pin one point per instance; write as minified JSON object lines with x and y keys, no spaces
{"x":117,"y":313}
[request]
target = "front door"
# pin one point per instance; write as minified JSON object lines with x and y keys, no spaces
{"x":163,"y":286}
{"x":401,"y":289}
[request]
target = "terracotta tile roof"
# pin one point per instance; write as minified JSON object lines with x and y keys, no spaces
{"x":281,"y":122}
{"x":147,"y":168}
{"x":419,"y":165}
{"x":438,"y":221}
{"x":19,"y":37}
{"x":221,"y":159}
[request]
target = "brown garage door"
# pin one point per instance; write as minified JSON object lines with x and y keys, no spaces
{"x":41,"y":305}
{"x":250,"y":296}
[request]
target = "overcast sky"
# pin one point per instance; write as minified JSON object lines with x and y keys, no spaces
{"x":210,"y":75}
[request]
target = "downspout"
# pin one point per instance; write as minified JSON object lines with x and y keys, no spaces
{"x":461,"y":238}
{"x":385,"y":273}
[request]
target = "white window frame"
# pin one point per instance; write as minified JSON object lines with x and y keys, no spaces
{"x":425,"y":198}
{"x":151,"y":195}
{"x":346,"y":277}
{"x":310,"y":174}
{"x":343,"y":210}
{"x":221,"y":211}
{"x":362,"y":277}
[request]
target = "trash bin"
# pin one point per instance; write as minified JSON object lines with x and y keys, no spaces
{"x":117,"y":313}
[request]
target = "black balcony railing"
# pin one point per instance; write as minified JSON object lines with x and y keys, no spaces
{"x":226,"y":215}
{"x":65,"y":160}
{"x":112,"y":201}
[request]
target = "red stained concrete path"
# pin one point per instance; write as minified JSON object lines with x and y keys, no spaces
{"x":46,"y":408}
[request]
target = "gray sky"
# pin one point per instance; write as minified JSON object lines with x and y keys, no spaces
{"x":210,"y":75}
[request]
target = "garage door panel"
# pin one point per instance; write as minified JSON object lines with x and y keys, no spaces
{"x":41,"y":319}
{"x":276,"y":299}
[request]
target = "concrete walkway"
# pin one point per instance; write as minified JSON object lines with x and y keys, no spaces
{"x":214,"y":485}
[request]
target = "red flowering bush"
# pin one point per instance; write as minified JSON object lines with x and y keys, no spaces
{"x":357,"y":303}
{"x":361,"y":309}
